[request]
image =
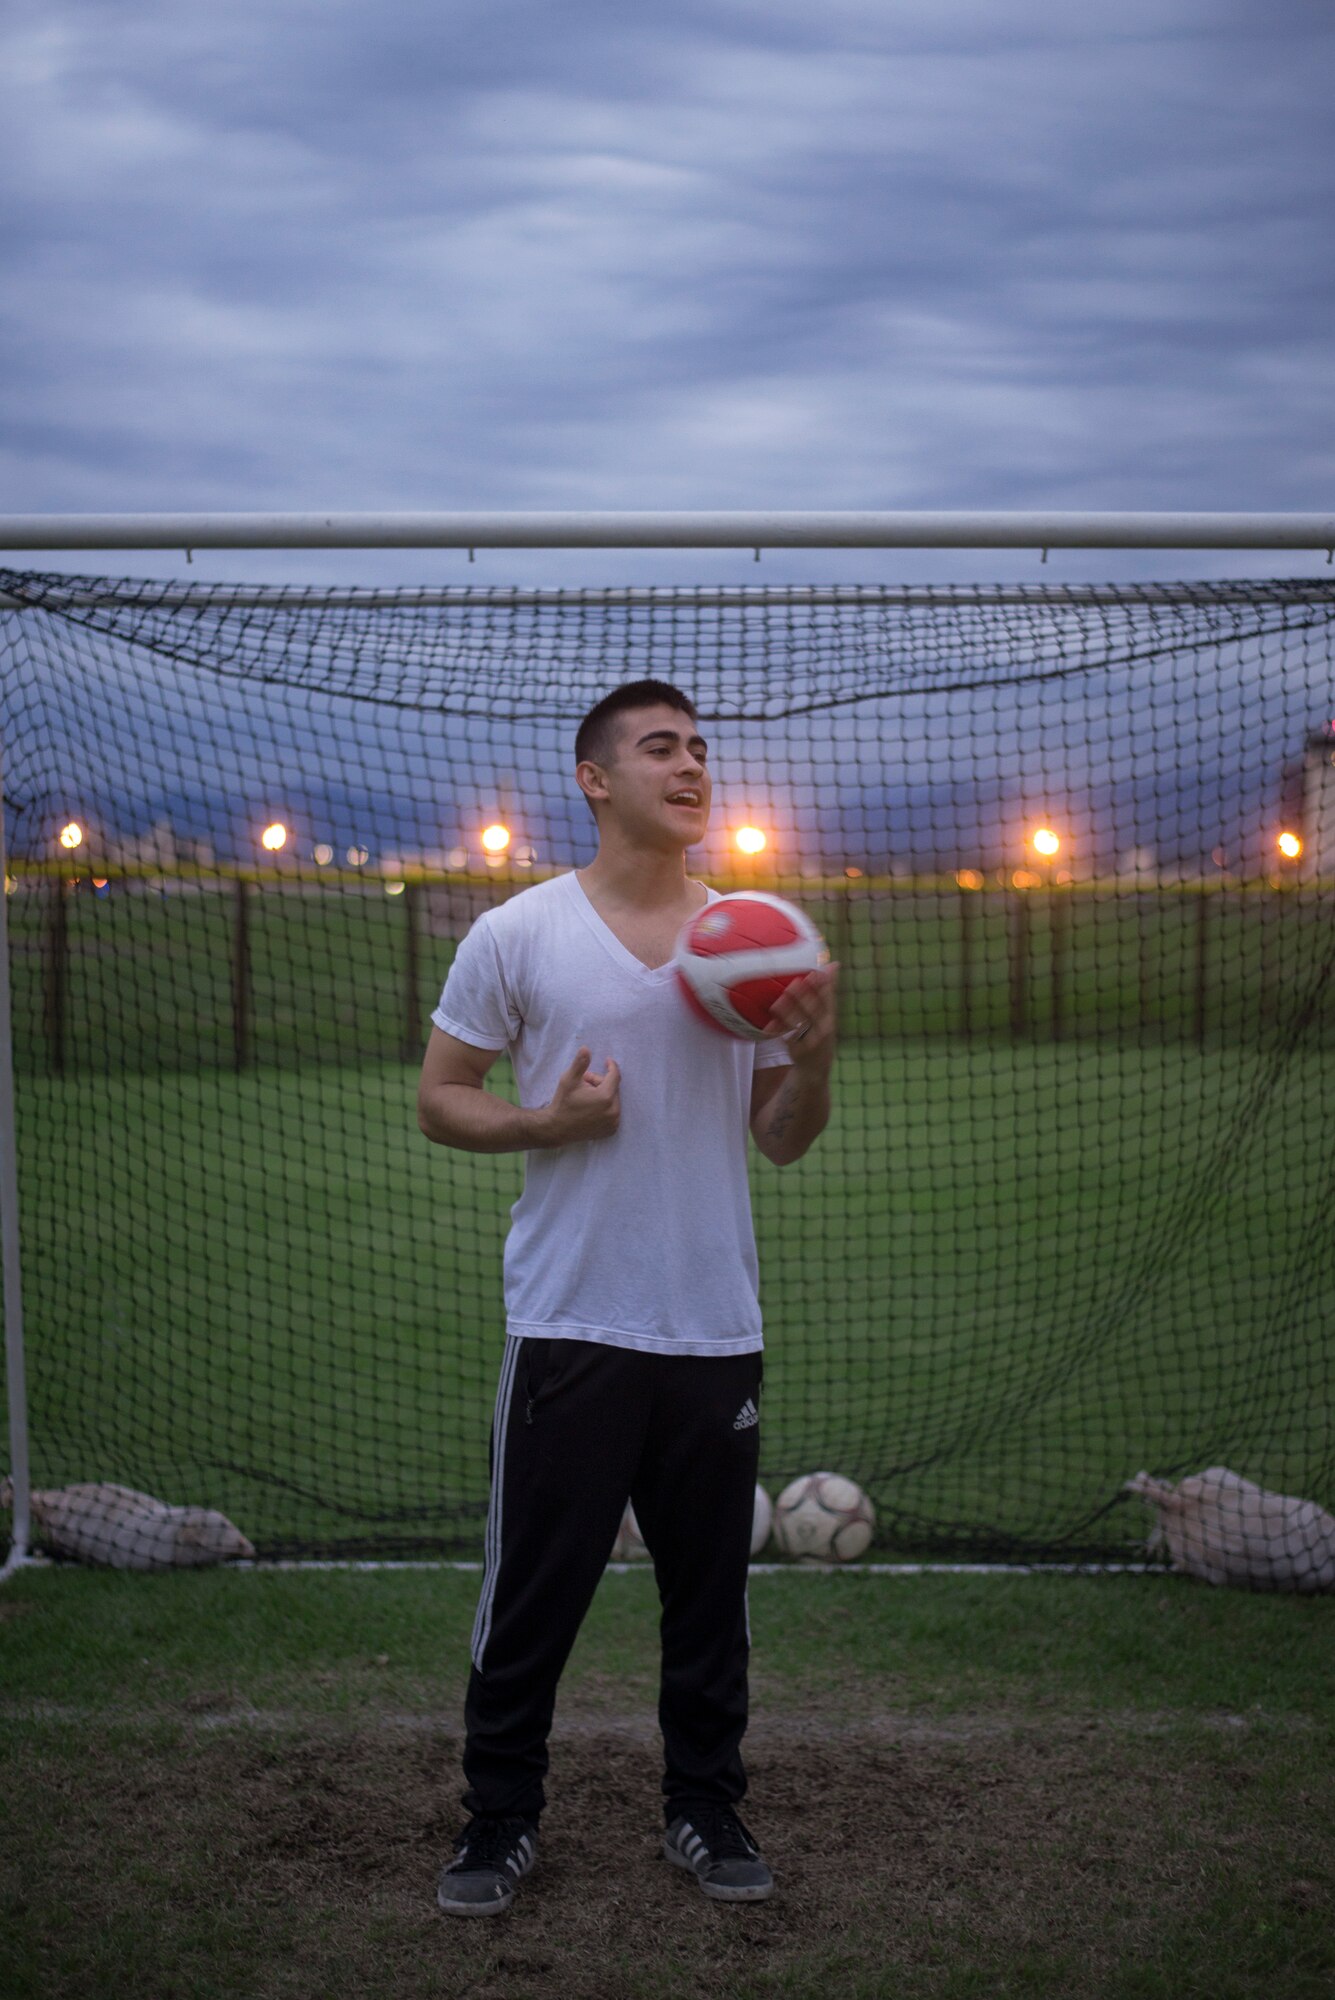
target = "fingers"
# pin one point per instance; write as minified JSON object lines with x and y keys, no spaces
{"x":804,"y":1012}
{"x":579,"y":1072}
{"x":585,"y":1105}
{"x":795,"y":1002}
{"x":608,"y":1084}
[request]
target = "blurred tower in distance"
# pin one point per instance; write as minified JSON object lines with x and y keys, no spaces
{"x":1318,"y":825}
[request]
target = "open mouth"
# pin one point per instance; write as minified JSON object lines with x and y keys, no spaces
{"x":685,"y":798}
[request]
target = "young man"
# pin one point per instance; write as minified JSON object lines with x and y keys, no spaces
{"x":632,"y":1361}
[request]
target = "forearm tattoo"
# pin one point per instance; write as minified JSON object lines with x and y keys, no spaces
{"x":783,"y":1109}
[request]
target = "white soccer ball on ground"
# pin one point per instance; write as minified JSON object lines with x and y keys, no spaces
{"x":762,"y":1520}
{"x":823,"y":1517}
{"x":735,"y":957}
{"x":629,"y":1545}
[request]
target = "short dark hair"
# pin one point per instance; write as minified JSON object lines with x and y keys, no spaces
{"x":596,"y":736}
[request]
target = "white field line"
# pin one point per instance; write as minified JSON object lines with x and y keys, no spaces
{"x":643,"y":1567}
{"x":784,"y":1569}
{"x":582,"y":1725}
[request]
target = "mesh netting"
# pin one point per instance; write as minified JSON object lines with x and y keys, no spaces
{"x":1071,"y":1220}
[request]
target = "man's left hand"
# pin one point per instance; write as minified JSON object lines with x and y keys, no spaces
{"x":805,"y":1015}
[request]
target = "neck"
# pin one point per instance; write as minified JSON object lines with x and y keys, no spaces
{"x":636,"y":877}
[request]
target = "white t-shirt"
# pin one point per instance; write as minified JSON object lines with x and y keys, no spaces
{"x":643,"y":1239}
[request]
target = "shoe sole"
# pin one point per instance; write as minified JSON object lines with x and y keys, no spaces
{"x":719,"y":1892}
{"x":475,"y":1909}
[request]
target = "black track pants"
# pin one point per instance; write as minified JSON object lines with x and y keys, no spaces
{"x":580,"y":1428}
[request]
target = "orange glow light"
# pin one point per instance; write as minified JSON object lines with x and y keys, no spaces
{"x":1290,"y":846}
{"x":750,"y":840}
{"x":274,"y":836}
{"x":1045,"y":842}
{"x":495,"y":838}
{"x":71,"y":835}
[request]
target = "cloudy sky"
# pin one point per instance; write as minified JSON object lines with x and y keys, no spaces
{"x":300,"y":254}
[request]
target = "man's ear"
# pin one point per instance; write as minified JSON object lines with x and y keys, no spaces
{"x":591,"y":779}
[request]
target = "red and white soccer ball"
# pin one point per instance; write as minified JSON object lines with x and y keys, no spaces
{"x":735,"y":957}
{"x":629,"y":1544}
{"x":823,"y":1517}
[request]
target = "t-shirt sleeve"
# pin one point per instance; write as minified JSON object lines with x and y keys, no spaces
{"x":476,"y":1005}
{"x":772,"y":1054}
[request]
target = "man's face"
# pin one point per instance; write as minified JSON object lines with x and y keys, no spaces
{"x":656,"y":786}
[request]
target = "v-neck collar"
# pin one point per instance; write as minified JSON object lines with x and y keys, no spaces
{"x":611,"y":943}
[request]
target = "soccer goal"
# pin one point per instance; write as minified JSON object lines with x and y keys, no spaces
{"x":1073,"y":847}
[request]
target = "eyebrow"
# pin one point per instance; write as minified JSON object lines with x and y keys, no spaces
{"x":671,"y":736}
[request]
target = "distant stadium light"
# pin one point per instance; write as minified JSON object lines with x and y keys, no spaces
{"x":274,"y":836}
{"x":71,"y":834}
{"x":323,"y":853}
{"x":1290,"y":846}
{"x":969,"y":878}
{"x":750,"y":840}
{"x":1045,"y":842}
{"x":495,"y":838}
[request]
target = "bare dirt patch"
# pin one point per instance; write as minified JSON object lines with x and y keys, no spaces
{"x":309,"y":1859}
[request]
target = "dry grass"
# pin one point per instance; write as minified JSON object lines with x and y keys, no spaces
{"x":226,"y":1853}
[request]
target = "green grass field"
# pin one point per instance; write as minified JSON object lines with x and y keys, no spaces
{"x":1061,"y":1788}
{"x":1007,"y":1279}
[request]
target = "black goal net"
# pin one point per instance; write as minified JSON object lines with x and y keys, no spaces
{"x":1074,"y":850}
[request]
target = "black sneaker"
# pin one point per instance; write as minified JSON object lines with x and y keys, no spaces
{"x":492,"y":1857}
{"x":711,"y":1841}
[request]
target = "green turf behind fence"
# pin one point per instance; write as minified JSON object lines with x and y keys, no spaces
{"x":306,"y":1331}
{"x":146,"y":974}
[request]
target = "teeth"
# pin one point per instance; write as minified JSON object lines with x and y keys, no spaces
{"x":684,"y":799}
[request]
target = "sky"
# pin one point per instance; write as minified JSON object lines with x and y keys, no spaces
{"x":901,"y":254}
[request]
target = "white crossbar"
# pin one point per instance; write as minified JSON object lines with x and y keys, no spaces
{"x":608,"y":530}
